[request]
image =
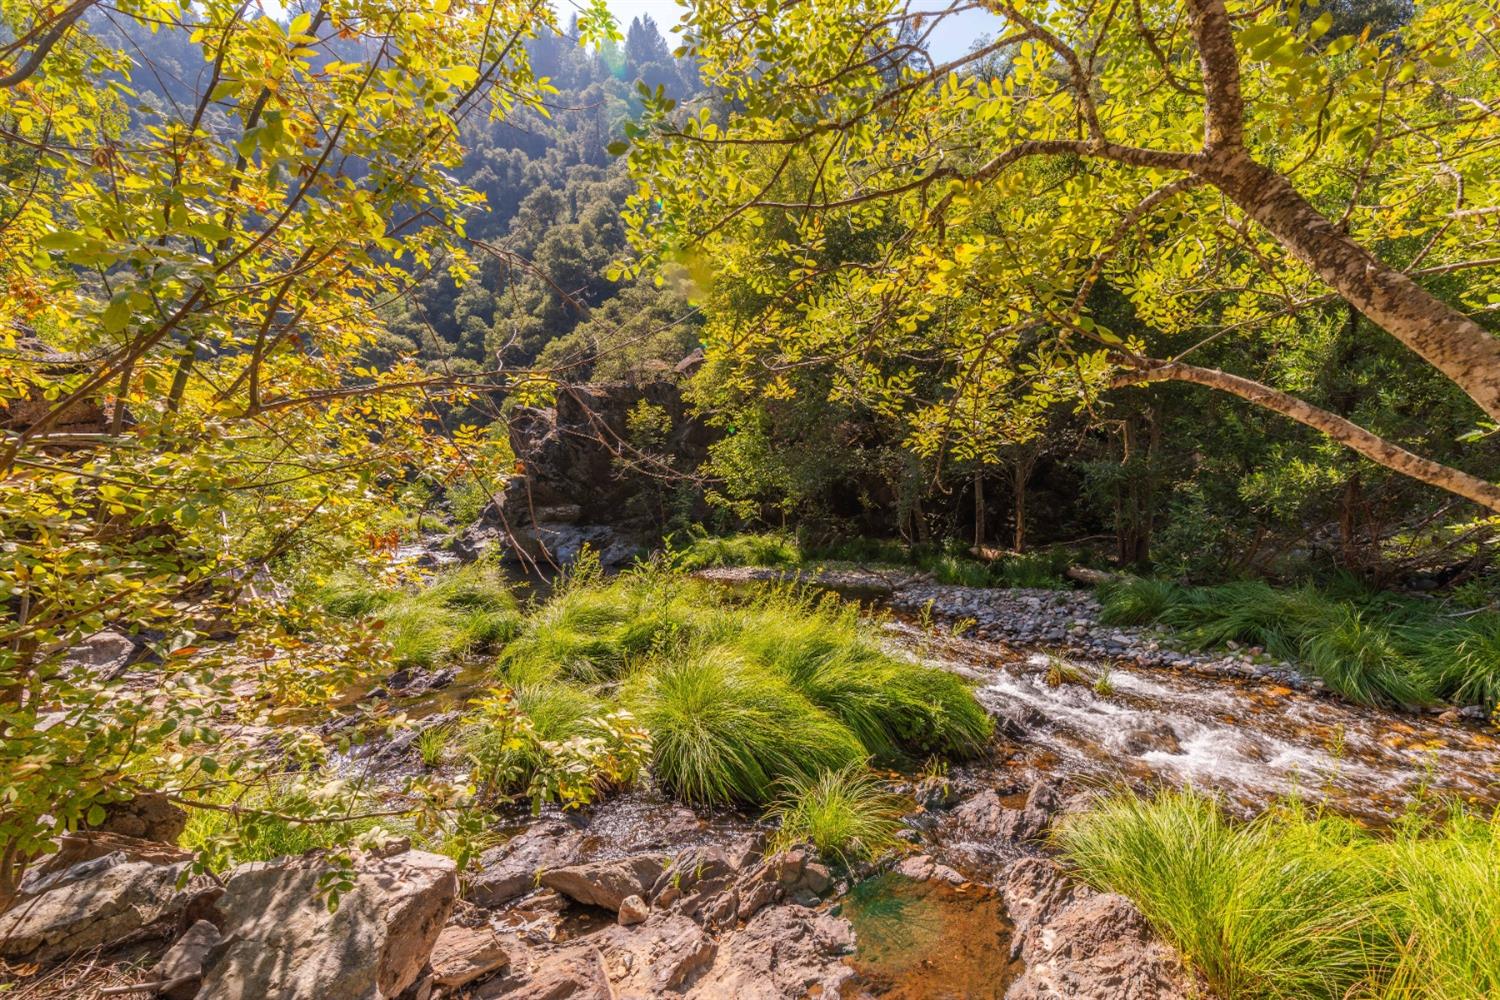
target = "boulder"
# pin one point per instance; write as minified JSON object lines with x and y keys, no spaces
{"x":660,"y":956}
{"x":923,"y":868}
{"x":282,"y":940}
{"x":66,"y":864}
{"x":513,"y":868}
{"x":985,"y":817}
{"x":1078,"y":943}
{"x":147,"y":816}
{"x":605,"y":884}
{"x":464,"y":954}
{"x":103,"y":654}
{"x":92,"y":903}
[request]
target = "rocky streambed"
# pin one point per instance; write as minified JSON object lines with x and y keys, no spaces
{"x":640,"y":897}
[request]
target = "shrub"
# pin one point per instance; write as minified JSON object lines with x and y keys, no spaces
{"x":1359,"y":658}
{"x":848,"y":815}
{"x":466,"y":611}
{"x":1301,"y":905}
{"x":723,"y":731}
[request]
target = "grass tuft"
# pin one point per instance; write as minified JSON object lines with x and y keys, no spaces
{"x":1300,"y":905}
{"x":847,"y":815}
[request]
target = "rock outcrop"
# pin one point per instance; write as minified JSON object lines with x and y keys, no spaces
{"x":281,"y":939}
{"x":1078,"y":943}
{"x":586,"y":475}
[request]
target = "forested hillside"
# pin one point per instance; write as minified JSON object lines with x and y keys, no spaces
{"x":827,"y":498}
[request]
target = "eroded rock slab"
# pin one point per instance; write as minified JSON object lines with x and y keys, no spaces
{"x":91,"y":903}
{"x":513,"y":868}
{"x":606,"y":884}
{"x":784,"y":951}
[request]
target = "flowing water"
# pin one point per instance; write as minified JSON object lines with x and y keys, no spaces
{"x":1249,"y":741}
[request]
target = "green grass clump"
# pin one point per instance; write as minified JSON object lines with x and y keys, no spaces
{"x":1136,"y":600}
{"x":724,"y":731}
{"x":739,"y":692}
{"x":1460,"y":659}
{"x":1300,"y":905}
{"x":704,"y":551}
{"x":848,"y":815}
{"x":258,"y":830}
{"x":462,"y":613}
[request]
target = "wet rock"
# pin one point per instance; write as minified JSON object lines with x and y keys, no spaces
{"x":409,"y":682}
{"x":281,"y":940}
{"x":605,"y":884}
{"x":1079,"y":943}
{"x":464,"y":954}
{"x":147,"y":816}
{"x":784,"y":951}
{"x":513,"y":868}
{"x":95,"y":902}
{"x":924,"y":868}
{"x":633,"y":910}
{"x":180,"y":969}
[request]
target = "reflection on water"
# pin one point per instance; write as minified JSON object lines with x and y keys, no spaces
{"x":928,"y":941}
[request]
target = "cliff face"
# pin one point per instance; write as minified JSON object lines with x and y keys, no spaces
{"x":596,"y":468}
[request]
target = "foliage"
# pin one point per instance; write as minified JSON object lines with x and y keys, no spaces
{"x":848,"y":815}
{"x":1301,"y":905}
{"x":278,"y":818}
{"x":464,"y":612}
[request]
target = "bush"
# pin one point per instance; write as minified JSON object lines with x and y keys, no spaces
{"x":848,"y":815}
{"x":1460,"y":662}
{"x":723,"y":731}
{"x":1301,"y":905}
{"x":268,"y":821}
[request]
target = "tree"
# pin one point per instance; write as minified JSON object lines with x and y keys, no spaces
{"x":1208,"y":161}
{"x":189,"y":287}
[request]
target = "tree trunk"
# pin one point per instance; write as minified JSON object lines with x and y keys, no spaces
{"x":978,"y":510}
{"x":1373,"y":447}
{"x":1444,"y":337}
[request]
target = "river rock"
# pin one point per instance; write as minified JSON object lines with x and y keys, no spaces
{"x":66,"y":864}
{"x":1079,"y":943}
{"x":605,"y":884}
{"x":92,"y":903}
{"x":1159,"y":738}
{"x":924,"y":868}
{"x":570,"y":974}
{"x":783,"y":951}
{"x":513,"y":868}
{"x":633,"y":910}
{"x":281,"y":940}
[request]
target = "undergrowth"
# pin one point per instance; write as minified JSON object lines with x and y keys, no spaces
{"x":1297,"y":904}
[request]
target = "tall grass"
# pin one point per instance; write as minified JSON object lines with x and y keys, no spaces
{"x":257,"y":831}
{"x":462,"y":613}
{"x":1369,"y":647}
{"x":847,"y":815}
{"x":1300,"y":905}
{"x":723,"y":731}
{"x":703,"y":551}
{"x":737,"y":692}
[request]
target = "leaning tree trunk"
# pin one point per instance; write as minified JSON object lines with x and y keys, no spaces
{"x":1351,"y":435}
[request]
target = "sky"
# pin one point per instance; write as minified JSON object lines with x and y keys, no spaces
{"x":951,"y":38}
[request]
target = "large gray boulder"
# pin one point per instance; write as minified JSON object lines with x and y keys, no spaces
{"x":91,"y":903}
{"x":282,"y":940}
